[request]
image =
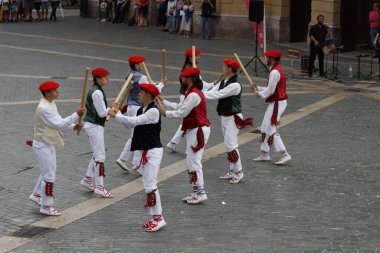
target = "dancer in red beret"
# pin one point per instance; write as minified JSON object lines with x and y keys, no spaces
{"x":172,"y":145}
{"x":228,"y":92}
{"x":133,"y":104}
{"x":47,"y":134}
{"x":275,"y":95}
{"x":96,"y":113}
{"x":147,"y":146}
{"x":196,"y":126}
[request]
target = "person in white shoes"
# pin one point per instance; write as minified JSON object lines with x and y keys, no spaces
{"x":146,"y":144}
{"x":172,"y":145}
{"x":228,"y":93}
{"x":46,"y":135}
{"x":275,"y":95}
{"x":133,"y":104}
{"x":95,"y":118}
{"x":196,"y":126}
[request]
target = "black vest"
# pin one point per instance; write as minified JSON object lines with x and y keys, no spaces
{"x":146,"y":136}
{"x":91,"y":114}
{"x":230,"y":104}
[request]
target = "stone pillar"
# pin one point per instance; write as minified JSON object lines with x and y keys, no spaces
{"x":277,"y":20}
{"x":331,"y":10}
{"x":229,"y":21}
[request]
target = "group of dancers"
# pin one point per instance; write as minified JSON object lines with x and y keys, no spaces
{"x":143,"y":114}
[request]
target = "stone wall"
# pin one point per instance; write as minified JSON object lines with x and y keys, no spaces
{"x":231,"y":17}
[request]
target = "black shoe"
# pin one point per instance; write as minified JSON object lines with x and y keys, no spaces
{"x":375,"y":56}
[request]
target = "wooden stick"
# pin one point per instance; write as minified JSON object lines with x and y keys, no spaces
{"x":244,"y":70}
{"x":159,"y":103}
{"x":147,"y":73}
{"x":84,"y":93}
{"x":122,"y":94}
{"x":221,"y":77}
{"x":163,"y":63}
{"x":121,"y":102}
{"x":193,"y":57}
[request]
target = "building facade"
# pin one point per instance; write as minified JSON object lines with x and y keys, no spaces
{"x":286,"y":20}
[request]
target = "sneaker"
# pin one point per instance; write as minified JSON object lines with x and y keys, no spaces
{"x":156,"y":224}
{"x":100,"y":190}
{"x":283,"y":160}
{"x":87,"y":184}
{"x":189,"y":197}
{"x":228,"y":176}
{"x":172,"y":146}
{"x":122,"y":164}
{"x":262,"y":159}
{"x":35,"y":198}
{"x":237,"y":177}
{"x":49,"y":210}
{"x":197,"y":198}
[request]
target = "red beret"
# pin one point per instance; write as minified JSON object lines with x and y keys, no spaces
{"x":189,"y":52}
{"x":232,"y":63}
{"x":48,"y":85}
{"x":150,"y":88}
{"x":273,"y":54}
{"x":136,"y":59}
{"x":191,"y":72}
{"x":100,"y":72}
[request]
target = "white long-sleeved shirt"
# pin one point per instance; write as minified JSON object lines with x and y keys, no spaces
{"x":100,"y":106}
{"x":53,"y":120}
{"x":182,"y":110}
{"x":151,"y":116}
{"x":206,"y":85}
{"x":144,"y":79}
{"x":274,"y":78}
{"x":172,"y":105}
{"x":232,"y":89}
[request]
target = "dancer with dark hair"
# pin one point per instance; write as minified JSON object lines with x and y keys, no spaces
{"x":196,"y":126}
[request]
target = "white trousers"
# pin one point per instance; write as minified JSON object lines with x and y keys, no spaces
{"x":95,"y":135}
{"x":149,"y":173}
{"x":269,"y":129}
{"x":46,"y":157}
{"x":230,"y":135}
{"x":177,"y":136}
{"x":193,"y":160}
{"x":126,"y":154}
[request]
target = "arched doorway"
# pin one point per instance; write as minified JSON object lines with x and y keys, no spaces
{"x":300,"y":16}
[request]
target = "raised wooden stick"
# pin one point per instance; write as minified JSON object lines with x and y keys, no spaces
{"x":244,"y":70}
{"x":122,"y":94}
{"x":221,"y":77}
{"x":84,"y":93}
{"x":163,"y":64}
{"x":193,"y":57}
{"x":147,"y":73}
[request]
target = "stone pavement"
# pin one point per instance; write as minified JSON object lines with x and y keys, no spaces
{"x":325,"y":200}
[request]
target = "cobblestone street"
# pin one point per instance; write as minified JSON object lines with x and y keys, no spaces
{"x":326,"y":199}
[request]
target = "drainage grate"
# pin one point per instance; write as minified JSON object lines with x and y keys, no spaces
{"x":32,"y":232}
